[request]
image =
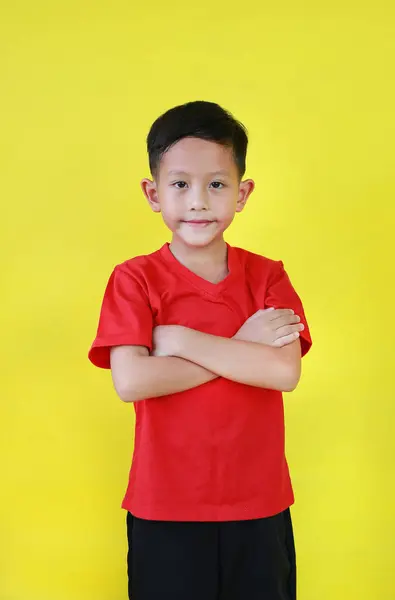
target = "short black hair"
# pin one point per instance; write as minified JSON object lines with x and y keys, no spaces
{"x":199,"y":119}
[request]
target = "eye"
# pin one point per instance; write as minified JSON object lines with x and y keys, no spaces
{"x":180,"y":185}
{"x":217,"y":185}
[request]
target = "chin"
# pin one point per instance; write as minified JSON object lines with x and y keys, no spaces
{"x":200,"y":241}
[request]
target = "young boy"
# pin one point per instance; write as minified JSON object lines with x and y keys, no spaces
{"x":203,"y":338}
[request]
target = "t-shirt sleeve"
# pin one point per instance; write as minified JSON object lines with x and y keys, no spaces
{"x":281,"y":294}
{"x":125,"y":318}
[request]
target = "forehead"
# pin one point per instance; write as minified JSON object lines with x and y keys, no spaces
{"x":198,"y":157}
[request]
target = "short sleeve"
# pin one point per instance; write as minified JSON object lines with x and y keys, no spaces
{"x":125,"y":318}
{"x":281,"y":294}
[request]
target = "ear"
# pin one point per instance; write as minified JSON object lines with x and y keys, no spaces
{"x":245,"y":190}
{"x":151,"y":193}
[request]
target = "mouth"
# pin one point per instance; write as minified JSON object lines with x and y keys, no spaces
{"x":199,"y":222}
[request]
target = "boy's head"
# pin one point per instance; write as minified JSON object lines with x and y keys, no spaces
{"x":197,"y":155}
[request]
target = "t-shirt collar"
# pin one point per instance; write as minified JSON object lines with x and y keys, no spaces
{"x":196,"y":280}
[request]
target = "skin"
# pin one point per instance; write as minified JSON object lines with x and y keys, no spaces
{"x":198,"y":192}
{"x":198,"y":181}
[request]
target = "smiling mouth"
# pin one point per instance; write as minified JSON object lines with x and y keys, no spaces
{"x":199,"y":222}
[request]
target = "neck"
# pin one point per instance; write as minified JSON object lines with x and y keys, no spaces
{"x":214,"y":255}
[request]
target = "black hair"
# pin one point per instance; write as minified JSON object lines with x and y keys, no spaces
{"x":199,"y":119}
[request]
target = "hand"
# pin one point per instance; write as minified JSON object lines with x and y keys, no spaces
{"x":272,"y":327}
{"x":166,"y":339}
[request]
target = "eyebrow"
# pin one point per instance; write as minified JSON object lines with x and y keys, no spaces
{"x":220,"y":172}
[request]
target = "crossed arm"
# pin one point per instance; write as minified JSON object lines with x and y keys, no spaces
{"x":186,"y":358}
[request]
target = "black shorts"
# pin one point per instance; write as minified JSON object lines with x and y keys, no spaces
{"x":233,"y":560}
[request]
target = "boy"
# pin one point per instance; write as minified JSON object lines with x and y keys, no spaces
{"x":203,"y":338}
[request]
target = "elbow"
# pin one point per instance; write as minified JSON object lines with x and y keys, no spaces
{"x":290,"y":379}
{"x":126,"y":395}
{"x":128,"y":391}
{"x":289,"y":386}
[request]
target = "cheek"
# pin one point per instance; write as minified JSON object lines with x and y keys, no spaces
{"x":226,"y":208}
{"x":169,"y":206}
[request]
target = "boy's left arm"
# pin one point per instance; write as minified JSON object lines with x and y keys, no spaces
{"x":247,"y":362}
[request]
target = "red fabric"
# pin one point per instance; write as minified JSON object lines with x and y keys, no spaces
{"x":216,"y":452}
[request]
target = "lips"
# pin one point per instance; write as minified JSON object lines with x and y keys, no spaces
{"x":199,"y":222}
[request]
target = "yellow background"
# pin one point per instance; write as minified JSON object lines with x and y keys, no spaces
{"x":82,"y":82}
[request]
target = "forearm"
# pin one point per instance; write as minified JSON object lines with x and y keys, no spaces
{"x":244,"y":362}
{"x":153,"y":377}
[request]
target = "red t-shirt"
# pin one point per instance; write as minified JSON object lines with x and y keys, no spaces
{"x":215,"y":452}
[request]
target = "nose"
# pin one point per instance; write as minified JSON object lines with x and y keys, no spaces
{"x":198,"y":200}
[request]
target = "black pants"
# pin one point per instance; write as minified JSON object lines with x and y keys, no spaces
{"x":234,"y":560}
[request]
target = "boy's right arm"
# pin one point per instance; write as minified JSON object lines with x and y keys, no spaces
{"x":137,"y":376}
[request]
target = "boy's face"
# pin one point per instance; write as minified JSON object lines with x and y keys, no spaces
{"x":198,"y":191}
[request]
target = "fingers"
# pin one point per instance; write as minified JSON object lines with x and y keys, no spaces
{"x":272,"y":313}
{"x":289,"y":329}
{"x":283,"y":318}
{"x":287,"y":339}
{"x":280,"y":313}
{"x":279,"y":317}
{"x":286,"y":321}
